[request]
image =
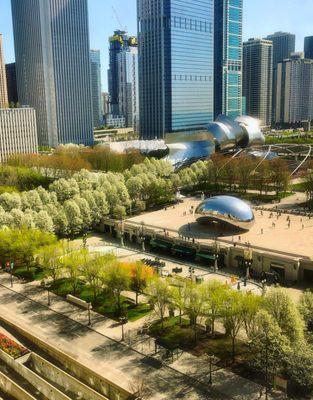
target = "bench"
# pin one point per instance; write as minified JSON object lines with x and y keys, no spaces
{"x":78,"y":302}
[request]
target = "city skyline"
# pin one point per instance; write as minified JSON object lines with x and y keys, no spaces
{"x":290,"y":17}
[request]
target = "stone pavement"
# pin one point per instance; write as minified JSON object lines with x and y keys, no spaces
{"x":65,"y":326}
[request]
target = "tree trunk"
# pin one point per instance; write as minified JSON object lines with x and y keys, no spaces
{"x":233,"y":348}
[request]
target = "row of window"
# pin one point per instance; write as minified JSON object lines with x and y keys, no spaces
{"x":192,"y":78}
{"x":191,"y":24}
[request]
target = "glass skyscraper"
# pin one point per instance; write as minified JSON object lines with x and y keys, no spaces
{"x":308,"y":47}
{"x":228,"y":58}
{"x":95,"y":71}
{"x":51,"y":40}
{"x":283,"y":46}
{"x":175,"y":65}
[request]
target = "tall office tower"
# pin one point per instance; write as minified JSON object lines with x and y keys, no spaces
{"x":294,"y":90}
{"x":128,"y":86}
{"x":105,"y":105}
{"x":95,"y":70}
{"x":118,"y":42}
{"x":257,"y":79}
{"x":283,"y":46}
{"x":18,"y":132}
{"x":11,"y":83}
{"x":308,"y":47}
{"x":228,"y":58}
{"x":123,"y":77}
{"x":3,"y":80}
{"x":53,"y":67}
{"x":175,"y":65}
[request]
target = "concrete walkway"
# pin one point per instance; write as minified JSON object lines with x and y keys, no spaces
{"x":64,"y":325}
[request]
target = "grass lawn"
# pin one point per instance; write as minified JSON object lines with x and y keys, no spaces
{"x":174,"y":335}
{"x":31,"y":274}
{"x":298,"y":187}
{"x":104,"y":303}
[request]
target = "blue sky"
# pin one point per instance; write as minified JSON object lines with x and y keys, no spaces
{"x":261,"y":17}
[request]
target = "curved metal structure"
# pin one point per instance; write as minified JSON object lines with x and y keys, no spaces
{"x":225,"y":209}
{"x":243,"y":131}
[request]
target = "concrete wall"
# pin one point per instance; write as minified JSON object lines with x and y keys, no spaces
{"x":13,"y":389}
{"x":61,"y":378}
{"x":101,"y":384}
{"x":40,"y":384}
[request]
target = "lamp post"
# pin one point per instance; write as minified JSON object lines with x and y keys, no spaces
{"x":89,"y":306}
{"x":266,"y":365}
{"x":11,"y":272}
{"x":123,"y":321}
{"x":248,"y":257}
{"x":216,"y":249}
{"x":191,"y":272}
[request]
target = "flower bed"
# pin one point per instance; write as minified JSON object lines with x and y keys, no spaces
{"x":11,"y":348}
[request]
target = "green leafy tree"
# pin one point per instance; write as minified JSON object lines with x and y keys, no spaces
{"x":232,"y":315}
{"x":116,"y":278}
{"x":160,"y":296}
{"x":306,"y":309}
{"x":286,"y":314}
{"x":216,"y":294}
{"x":268,"y":345}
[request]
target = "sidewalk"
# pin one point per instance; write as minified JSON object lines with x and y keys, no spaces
{"x":64,"y":325}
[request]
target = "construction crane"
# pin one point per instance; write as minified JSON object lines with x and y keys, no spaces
{"x":118,"y":20}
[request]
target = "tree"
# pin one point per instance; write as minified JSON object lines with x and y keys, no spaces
{"x":245,"y":166}
{"x":160,"y":295}
{"x":194,"y":305}
{"x":93,"y":270}
{"x":119,"y":212}
{"x":140,"y":275}
{"x":286,"y":314}
{"x":306,"y":308}
{"x":232,"y":315}
{"x":299,"y":366}
{"x":117,"y":279}
{"x":268,"y":345}
{"x":73,"y":263}
{"x":50,"y":259}
{"x":280,"y":175}
{"x":74,"y":217}
{"x":250,"y":308}
{"x":216,"y":293}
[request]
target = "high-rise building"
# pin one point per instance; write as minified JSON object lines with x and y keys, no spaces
{"x":308,"y":47}
{"x":3,"y":80}
{"x":18,"y":132}
{"x":117,"y":43}
{"x":228,"y":58}
{"x":53,"y":67}
{"x":128,"y":86}
{"x":95,"y":71}
{"x":123,"y":78}
{"x":257,"y":79}
{"x":294,"y":101}
{"x":175,"y":65}
{"x":283,"y":46}
{"x":105,"y":106}
{"x":11,"y":83}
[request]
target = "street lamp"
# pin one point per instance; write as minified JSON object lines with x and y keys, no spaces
{"x":89,"y":307}
{"x":191,"y":272}
{"x":10,"y":265}
{"x":123,"y":321}
{"x":216,"y":249}
{"x":248,"y":258}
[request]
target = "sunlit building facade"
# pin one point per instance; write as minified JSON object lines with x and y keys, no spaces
{"x":228,"y":58}
{"x":175,"y":65}
{"x":52,"y":52}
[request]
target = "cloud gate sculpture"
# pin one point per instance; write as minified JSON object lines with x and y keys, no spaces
{"x":226,"y":210}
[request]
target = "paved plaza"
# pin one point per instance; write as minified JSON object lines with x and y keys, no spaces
{"x":270,"y":231}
